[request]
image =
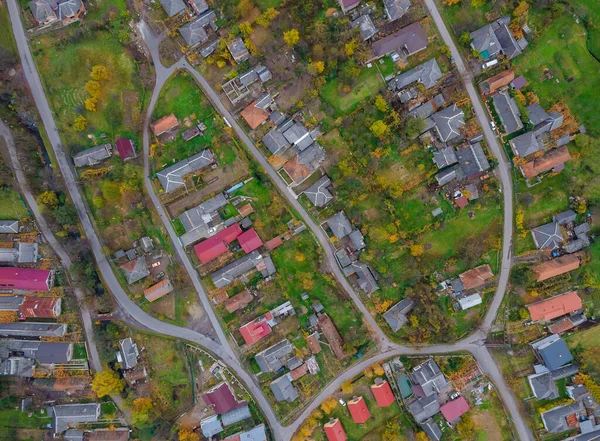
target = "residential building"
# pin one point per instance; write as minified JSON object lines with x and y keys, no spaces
{"x":11,"y":303}
{"x":164,"y":124}
{"x":283,"y":389}
{"x":319,"y":193}
{"x":255,"y":434}
{"x":359,"y":410}
{"x":173,"y":7}
{"x":396,"y":316}
{"x":249,"y":240}
{"x":238,"y":88}
{"x":454,"y":409}
{"x":525,"y":144}
{"x":449,"y":174}
{"x":256,"y":114}
{"x":396,"y":9}
{"x":21,"y":252}
{"x":555,"y":307}
{"x":238,"y":50}
{"x":556,"y":267}
{"x":222,"y":399}
{"x":336,"y":343}
{"x":553,"y":351}
{"x":493,"y":83}
{"x":313,"y":343}
{"x":554,"y":161}
{"x":211,"y":426}
{"x":196,"y":31}
{"x":472,"y":160}
{"x":273,"y":358}
{"x":407,"y":41}
{"x":494,"y":39}
{"x":429,"y":376}
{"x":70,"y":415}
{"x":445,"y":157}
{"x":448,"y":123}
{"x":244,"y":265}
{"x":125,"y":148}
{"x":427,"y":74}
{"x":562,"y":418}
{"x":257,"y":329}
{"x":40,"y":307}
{"x":470,"y":301}
{"x":171,"y":177}
{"x":92,"y":156}
{"x":26,"y":279}
{"x":128,"y":353}
{"x":424,"y":408}
{"x":9,"y":226}
{"x":543,"y":386}
{"x":216,"y":245}
{"x":508,"y":112}
{"x":476,"y":277}
{"x":364,"y":276}
{"x":365,"y":26}
{"x":203,"y":221}
{"x":158,"y":290}
{"x":31,"y":329}
{"x":383,"y":393}
{"x":348,"y":5}
{"x":46,"y":12}
{"x":238,"y":301}
{"x":431,"y":429}
{"x":548,"y":236}
{"x":135,"y":270}
{"x":339,"y":225}
{"x":236,"y":415}
{"x":334,"y":430}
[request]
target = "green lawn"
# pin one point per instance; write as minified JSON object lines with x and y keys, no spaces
{"x":7,"y":40}
{"x":589,"y":340}
{"x":589,"y":11}
{"x":369,"y":82}
{"x":11,"y":205}
{"x":12,"y":419}
{"x":562,"y":49}
{"x":266,"y":4}
{"x":464,"y":18}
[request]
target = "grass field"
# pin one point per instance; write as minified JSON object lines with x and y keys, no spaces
{"x":590,"y":12}
{"x":589,"y":340}
{"x":266,"y":4}
{"x":465,"y":18}
{"x":368,"y":84}
{"x":11,"y":205}
{"x":7,"y":40}
{"x":11,"y":419}
{"x":562,"y":49}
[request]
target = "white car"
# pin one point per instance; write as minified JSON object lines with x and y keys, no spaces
{"x":342,"y":402}
{"x":493,"y":125}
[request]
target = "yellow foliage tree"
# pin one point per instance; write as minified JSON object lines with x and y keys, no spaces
{"x":521,"y":10}
{"x":378,"y":369}
{"x":291,"y":37}
{"x":93,"y":88}
{"x":347,"y":387}
{"x":188,"y":435}
{"x":381,"y":104}
{"x":421,"y":436}
{"x":80,"y":124}
{"x":417,"y":250}
{"x":107,"y":382}
{"x":246,"y":28}
{"x":90,"y":104}
{"x":99,"y":72}
{"x":368,"y":372}
{"x":383,"y":306}
{"x":379,"y":129}
{"x":350,"y":47}
{"x":328,"y":405}
{"x":48,"y":198}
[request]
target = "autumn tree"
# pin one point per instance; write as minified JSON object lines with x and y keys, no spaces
{"x":107,"y":382}
{"x":379,"y":129}
{"x":451,"y":2}
{"x":465,"y":39}
{"x":378,"y":369}
{"x":521,"y":10}
{"x":368,"y":372}
{"x":90,"y":104}
{"x":328,"y":405}
{"x":465,"y":427}
{"x":141,"y":411}
{"x":99,"y":73}
{"x":392,"y":431}
{"x":80,"y":124}
{"x":417,"y":250}
{"x":48,"y":198}
{"x":267,"y":17}
{"x":347,"y":387}
{"x":187,"y":435}
{"x":421,"y":436}
{"x":315,"y":68}
{"x":350,"y":47}
{"x":477,"y":3}
{"x":381,"y":104}
{"x":246,"y":29}
{"x":291,"y":37}
{"x":414,"y":127}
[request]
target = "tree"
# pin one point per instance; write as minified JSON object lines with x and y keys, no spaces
{"x":111,"y":191}
{"x":347,"y":387}
{"x":99,"y":73}
{"x":465,"y":39}
{"x":368,"y":372}
{"x":477,"y":3}
{"x":421,"y":436}
{"x":48,"y":198}
{"x":417,"y":250}
{"x":267,"y":17}
{"x":107,"y":382}
{"x":451,"y":2}
{"x":316,"y":68}
{"x":188,"y":435}
{"x":80,"y":124}
{"x":381,"y":104}
{"x":244,"y":7}
{"x":350,"y":47}
{"x":392,"y":431}
{"x":291,"y":37}
{"x":90,"y":104}
{"x":246,"y":29}
{"x":465,"y":427}
{"x":521,"y":10}
{"x":142,"y":411}
{"x":93,"y":88}
{"x":328,"y":405}
{"x":413,"y":127}
{"x":379,"y":129}
{"x":378,"y":369}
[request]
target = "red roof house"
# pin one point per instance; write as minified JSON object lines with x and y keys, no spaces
{"x":230,"y":233}
{"x":274,"y":243}
{"x":256,"y":329}
{"x":453,"y":410}
{"x":221,"y":398}
{"x":125,"y":148}
{"x":249,"y":240}
{"x":216,"y":245}
{"x":383,"y":393}
{"x":40,"y":307}
{"x":555,"y":307}
{"x":359,"y":410}
{"x":27,"y":279}
{"x":334,"y":430}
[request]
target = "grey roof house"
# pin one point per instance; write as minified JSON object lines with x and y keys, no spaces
{"x":472,"y":160}
{"x":244,"y":265}
{"x":9,"y":226}
{"x":432,"y":430}
{"x":555,"y":419}
{"x":236,"y":415}
{"x":319,"y":193}
{"x":554,"y":353}
{"x":448,"y":122}
{"x":211,"y":426}
{"x":449,"y":174}
{"x":509,"y":114}
{"x":396,"y":9}
{"x":407,"y":41}
{"x":128,"y":353}
{"x":396,"y":315}
{"x":32,"y":329}
{"x":365,"y":26}
{"x":92,"y":156}
{"x":566,"y":217}
{"x":525,"y":144}
{"x":171,"y":177}
{"x":238,"y":50}
{"x":548,"y":236}
{"x":429,"y":376}
{"x":194,"y":32}
{"x":427,"y":74}
{"x":424,"y":408}
{"x":273,"y":358}
{"x":543,"y":386}
{"x":173,"y":7}
{"x":283,"y":389}
{"x":339,"y":225}
{"x":69,"y":415}
{"x":495,"y":38}
{"x":364,"y":276}
{"x":135,"y":270}
{"x":444,"y":157}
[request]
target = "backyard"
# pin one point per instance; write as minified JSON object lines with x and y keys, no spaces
{"x":11,"y":205}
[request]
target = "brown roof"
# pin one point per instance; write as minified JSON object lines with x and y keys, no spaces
{"x":299,"y":372}
{"x":476,"y":277}
{"x":246,"y":210}
{"x":502,"y":79}
{"x":313,"y":343}
{"x":71,"y":383}
{"x":155,"y":292}
{"x":137,"y":373}
{"x":238,"y":301}
{"x":39,"y":307}
{"x":164,"y":124}
{"x":560,"y":327}
{"x":274,"y":243}
{"x":121,"y":434}
{"x":555,"y":307}
{"x":556,"y":267}
{"x":297,"y":170}
{"x":546,"y":162}
{"x":332,"y":335}
{"x":254,"y":116}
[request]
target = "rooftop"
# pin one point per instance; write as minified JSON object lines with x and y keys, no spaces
{"x":555,"y":307}
{"x":427,"y":74}
{"x":408,"y":40}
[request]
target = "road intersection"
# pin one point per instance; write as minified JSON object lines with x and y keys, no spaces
{"x":473,"y":343}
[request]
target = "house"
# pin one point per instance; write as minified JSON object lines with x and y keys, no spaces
{"x":236,"y":415}
{"x":244,"y":265}
{"x":359,"y":410}
{"x":255,"y":434}
{"x":283,"y":389}
{"x":357,"y":240}
{"x":429,"y":376}
{"x":171,"y":177}
{"x":468,"y":302}
{"x":125,"y":148}
{"x":339,"y":225}
{"x":449,"y":174}
{"x":173,"y":7}
{"x":158,"y":290}
{"x":448,"y":123}
{"x":199,"y":6}
{"x":395,"y":9}
{"x":238,"y":301}
{"x":164,"y":124}
{"x":555,"y":307}
{"x":407,"y":41}
{"x":9,"y":226}
{"x":494,"y":39}
{"x":128,"y":353}
{"x":553,"y":351}
{"x":216,"y":245}
{"x":21,"y":252}
{"x":364,"y":276}
{"x":543,"y":386}
{"x":70,"y":415}
{"x":30,"y":329}
{"x":319,"y":193}
{"x":472,"y":160}
{"x":254,"y":115}
{"x":548,"y":236}
{"x":40,"y":307}
{"x":444,"y":157}
{"x":66,"y":11}
{"x":334,"y":430}
{"x":211,"y":426}
{"x":508,"y":112}
{"x":525,"y":144}
{"x":257,"y":328}
{"x":92,"y":156}
{"x":238,"y":88}
{"x":476,"y":277}
{"x":26,"y":279}
{"x":365,"y":26}
{"x":431,"y":429}
{"x":238,"y":50}
{"x":383,"y":393}
{"x":249,"y":240}
{"x":13,"y":303}
{"x":348,"y":5}
{"x":135,"y":270}
{"x":427,"y":74}
{"x":454,"y":409}
{"x":273,"y":358}
{"x":336,"y":343}
{"x":423,"y":408}
{"x":496,"y":82}
{"x":313,"y":343}
{"x":222,"y":399}
{"x":553,"y":160}
{"x":195,"y":32}
{"x":396,"y":315}
{"x":562,"y":418}
{"x":305,"y":163}
{"x":556,"y":267}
